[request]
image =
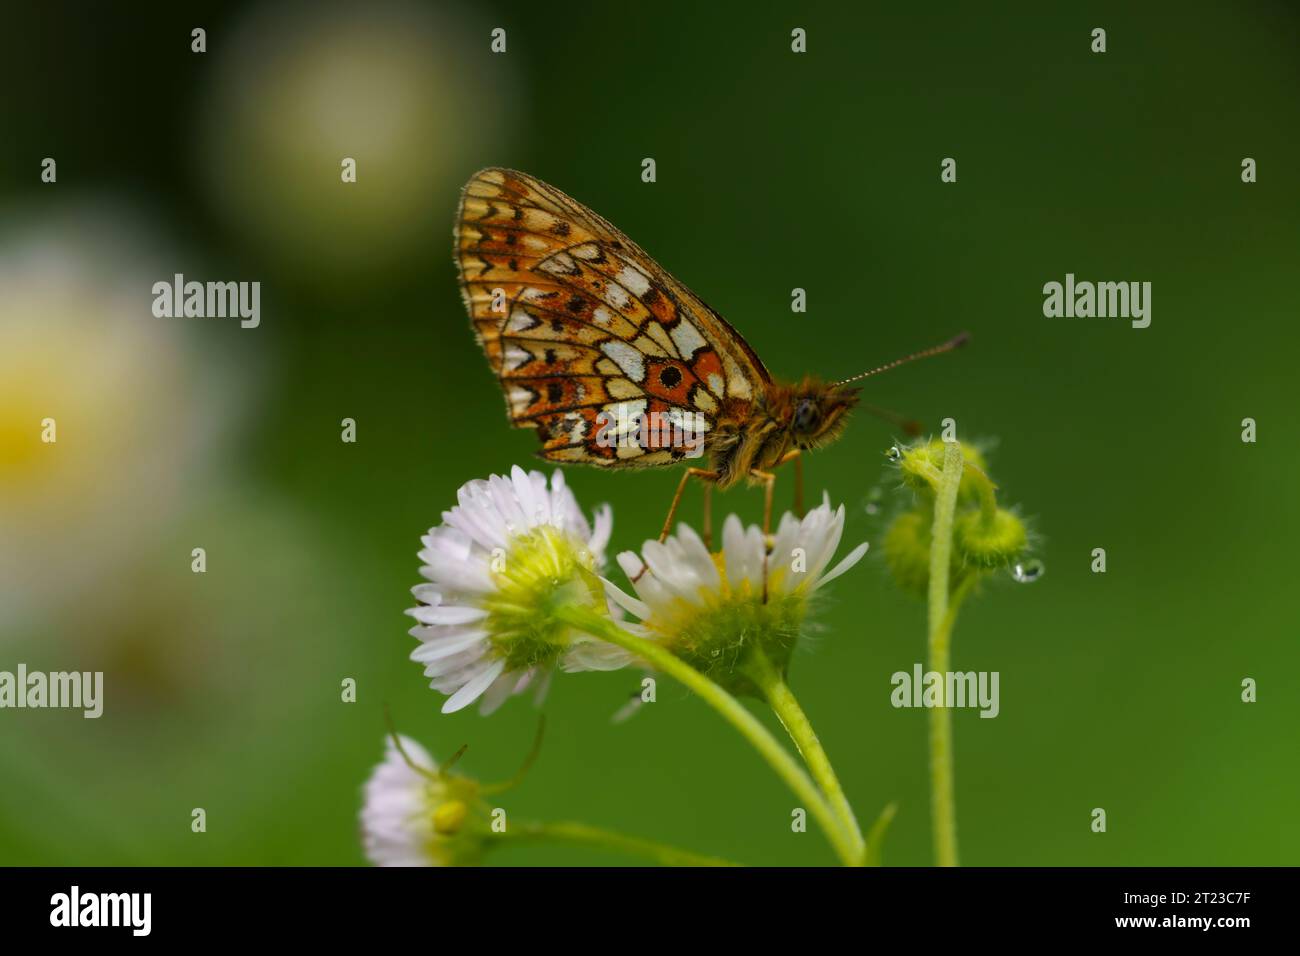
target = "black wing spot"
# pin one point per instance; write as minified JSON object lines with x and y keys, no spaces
{"x":554,"y":392}
{"x":670,"y":376}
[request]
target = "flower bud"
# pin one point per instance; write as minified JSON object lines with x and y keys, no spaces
{"x":922,"y":465}
{"x":989,"y":543}
{"x":907,"y":552}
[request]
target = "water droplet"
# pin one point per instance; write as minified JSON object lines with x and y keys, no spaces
{"x":894,"y":453}
{"x":872,"y":508}
{"x":1026,"y":572}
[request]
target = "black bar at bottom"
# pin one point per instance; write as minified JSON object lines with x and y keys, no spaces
{"x":333,"y":905}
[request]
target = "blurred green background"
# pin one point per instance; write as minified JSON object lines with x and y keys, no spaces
{"x":775,"y":170}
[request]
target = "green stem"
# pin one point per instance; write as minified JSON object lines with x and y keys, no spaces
{"x":731,"y":710}
{"x":943,"y":808}
{"x":759,"y":668}
{"x":876,"y":835}
{"x":580,"y":834}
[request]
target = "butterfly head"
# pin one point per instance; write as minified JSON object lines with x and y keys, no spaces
{"x":817,"y":412}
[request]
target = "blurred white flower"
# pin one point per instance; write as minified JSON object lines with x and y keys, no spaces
{"x":298,"y":87}
{"x":133,"y":405}
{"x":414,"y":818}
{"x":510,"y":552}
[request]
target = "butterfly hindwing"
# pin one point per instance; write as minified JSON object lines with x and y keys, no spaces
{"x":576,"y":320}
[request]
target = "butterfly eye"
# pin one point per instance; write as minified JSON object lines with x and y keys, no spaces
{"x":805,"y":415}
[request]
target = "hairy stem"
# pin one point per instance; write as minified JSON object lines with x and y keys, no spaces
{"x":580,"y":834}
{"x":943,"y":809}
{"x":731,"y":710}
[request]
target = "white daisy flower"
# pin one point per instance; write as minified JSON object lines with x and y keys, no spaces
{"x":414,"y":818}
{"x":508,"y":553}
{"x":709,"y":607}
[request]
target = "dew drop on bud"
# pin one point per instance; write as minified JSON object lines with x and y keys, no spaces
{"x":1026,"y":572}
{"x":894,"y":453}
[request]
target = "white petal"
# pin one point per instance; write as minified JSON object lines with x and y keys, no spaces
{"x":444,"y":647}
{"x":694,"y":553}
{"x":625,"y":600}
{"x":600,"y":535}
{"x":850,"y":559}
{"x":474,"y":687}
{"x":427,"y":594}
{"x":472,"y":574}
{"x":529,"y":502}
{"x":497,"y":694}
{"x":447,"y":615}
{"x":631,"y":564}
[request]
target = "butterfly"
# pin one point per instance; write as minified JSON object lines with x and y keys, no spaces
{"x":617,"y":364}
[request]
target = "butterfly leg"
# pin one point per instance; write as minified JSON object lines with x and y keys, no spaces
{"x":704,"y":475}
{"x":797,"y":458}
{"x":708,"y":515}
{"x":769,"y":483}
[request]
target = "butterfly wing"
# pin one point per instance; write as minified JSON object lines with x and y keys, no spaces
{"x":583,"y":329}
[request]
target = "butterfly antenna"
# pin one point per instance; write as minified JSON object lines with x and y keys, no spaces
{"x":953,"y":343}
{"x":529,"y":760}
{"x":397,"y":742}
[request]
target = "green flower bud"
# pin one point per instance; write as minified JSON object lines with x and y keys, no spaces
{"x":989,"y":543}
{"x":907,"y":552}
{"x":922,"y":465}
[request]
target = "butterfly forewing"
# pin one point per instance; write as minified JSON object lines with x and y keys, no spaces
{"x":576,"y":320}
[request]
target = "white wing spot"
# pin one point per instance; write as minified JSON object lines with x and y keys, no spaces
{"x":627,"y":358}
{"x":520,"y":400}
{"x":520,"y":321}
{"x":634,"y":280}
{"x":616,"y":295}
{"x":516,"y":357}
{"x":687,"y":338}
{"x":560,"y":264}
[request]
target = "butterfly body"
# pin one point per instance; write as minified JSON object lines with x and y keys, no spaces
{"x":789,"y":418}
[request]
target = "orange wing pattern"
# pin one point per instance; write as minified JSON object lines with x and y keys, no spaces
{"x":576,"y":320}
